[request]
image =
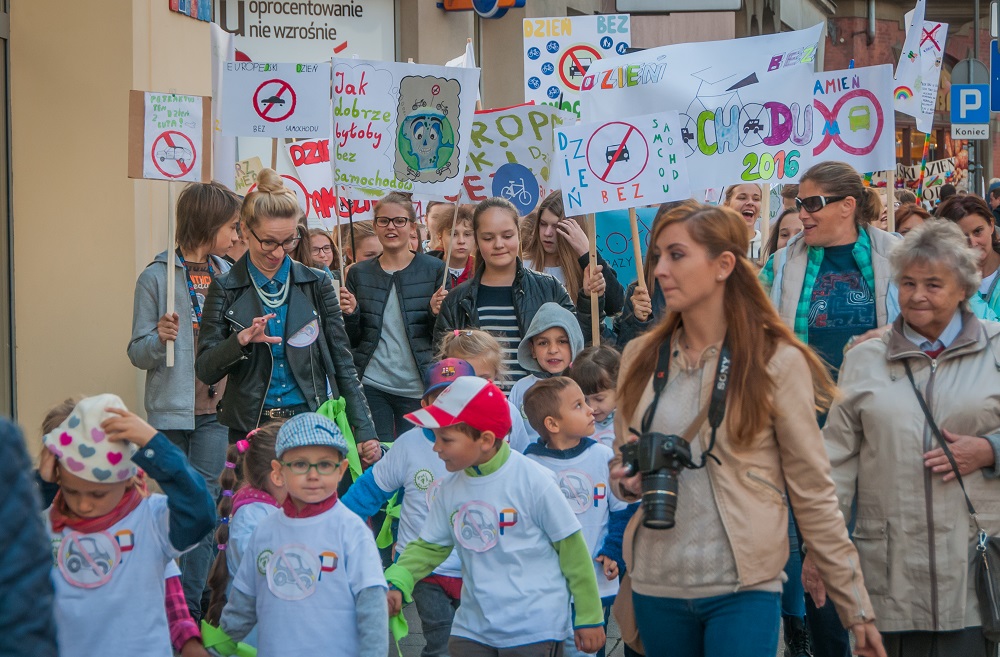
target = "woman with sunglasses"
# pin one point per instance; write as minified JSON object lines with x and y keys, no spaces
{"x":390,"y":306}
{"x":274,"y":326}
{"x":830,"y":285}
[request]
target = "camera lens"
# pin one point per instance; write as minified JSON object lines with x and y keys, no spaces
{"x":659,"y":499}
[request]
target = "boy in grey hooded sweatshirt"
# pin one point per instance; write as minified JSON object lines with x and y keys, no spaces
{"x":551,"y":343}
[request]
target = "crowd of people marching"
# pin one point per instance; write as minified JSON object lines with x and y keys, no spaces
{"x":798,"y":429}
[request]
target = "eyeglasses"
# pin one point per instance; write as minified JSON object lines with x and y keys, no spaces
{"x":322,"y":249}
{"x":816,"y":203}
{"x":323,"y":468}
{"x":271,"y":245}
{"x":398,"y":222}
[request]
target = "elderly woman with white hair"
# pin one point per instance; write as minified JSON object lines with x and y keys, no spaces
{"x":914,"y":533}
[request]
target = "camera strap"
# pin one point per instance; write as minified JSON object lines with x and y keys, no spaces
{"x":715,"y":412}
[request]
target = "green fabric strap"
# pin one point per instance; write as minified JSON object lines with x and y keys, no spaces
{"x":336,"y":410}
{"x":213,"y":638}
{"x":392,"y":508}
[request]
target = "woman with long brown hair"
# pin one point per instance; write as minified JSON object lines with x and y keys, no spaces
{"x":722,"y":357}
{"x":558,"y":245}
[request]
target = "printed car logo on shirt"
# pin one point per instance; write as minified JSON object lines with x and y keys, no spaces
{"x":292,"y":572}
{"x":577,"y":487}
{"x":125,"y":539}
{"x":508,"y":518}
{"x":88,"y":561}
{"x":477,"y":526}
{"x":327,"y":562}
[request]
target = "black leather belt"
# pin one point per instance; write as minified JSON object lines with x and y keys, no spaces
{"x":286,"y":412}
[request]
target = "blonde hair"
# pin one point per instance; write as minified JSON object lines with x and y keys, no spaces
{"x":270,"y":199}
{"x":473,"y":343}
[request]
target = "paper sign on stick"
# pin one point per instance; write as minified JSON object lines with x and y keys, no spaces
{"x":614,"y":240}
{"x":511,"y":154}
{"x":261,"y":99}
{"x":246,"y":174}
{"x":402,"y":127}
{"x":167,"y":133}
{"x":621,"y":164}
{"x":744,"y":104}
{"x":854,"y":119}
{"x":559,"y":51}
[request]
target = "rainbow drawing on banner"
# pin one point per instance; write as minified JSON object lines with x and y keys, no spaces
{"x":902,"y":93}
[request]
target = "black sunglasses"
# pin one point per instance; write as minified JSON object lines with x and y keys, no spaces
{"x":816,"y":203}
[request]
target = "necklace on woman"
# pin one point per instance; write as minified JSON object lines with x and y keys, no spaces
{"x":272,"y":299}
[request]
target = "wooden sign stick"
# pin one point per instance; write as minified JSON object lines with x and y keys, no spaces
{"x":595,"y":312}
{"x":633,"y":220}
{"x":447,"y":256}
{"x":765,"y":214}
{"x":274,"y":153}
{"x":171,"y":265}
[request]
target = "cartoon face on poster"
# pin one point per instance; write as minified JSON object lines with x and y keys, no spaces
{"x":854,"y":120}
{"x":425,"y":142}
{"x":401,"y":127}
{"x":745,"y":104}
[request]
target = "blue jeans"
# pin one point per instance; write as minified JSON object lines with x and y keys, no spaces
{"x":436,"y":611}
{"x":205,"y":448}
{"x":733,"y":625}
{"x":793,"y":595}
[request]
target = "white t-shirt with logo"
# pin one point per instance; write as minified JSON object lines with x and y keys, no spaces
{"x":503,"y":526}
{"x":604,"y":431}
{"x":412,"y":464}
{"x":516,"y":397}
{"x":520,"y":436}
{"x":583,"y":480}
{"x":241,"y":527}
{"x":109,"y":586}
{"x":305,"y":574}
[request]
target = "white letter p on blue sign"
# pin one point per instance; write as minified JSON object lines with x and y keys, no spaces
{"x":969,"y":101}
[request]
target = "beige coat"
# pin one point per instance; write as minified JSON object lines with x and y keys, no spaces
{"x":752,"y":486}
{"x":913,"y":531}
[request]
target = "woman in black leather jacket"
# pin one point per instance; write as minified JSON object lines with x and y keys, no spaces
{"x":389,"y":307}
{"x":274,"y":327}
{"x":503,"y":295}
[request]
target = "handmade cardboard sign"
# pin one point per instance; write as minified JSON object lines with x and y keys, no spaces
{"x":263,"y":99}
{"x":558,"y":52}
{"x":169,"y":136}
{"x":621,"y":164}
{"x":402,"y":127}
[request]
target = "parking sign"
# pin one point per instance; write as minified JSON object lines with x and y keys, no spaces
{"x":969,"y":104}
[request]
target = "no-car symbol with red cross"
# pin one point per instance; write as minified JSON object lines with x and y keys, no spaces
{"x":274,"y":100}
{"x":173,"y":154}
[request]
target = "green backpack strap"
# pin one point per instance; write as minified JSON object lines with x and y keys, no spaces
{"x":213,"y":638}
{"x":336,"y":410}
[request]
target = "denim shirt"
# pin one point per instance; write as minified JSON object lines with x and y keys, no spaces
{"x":283,"y":390}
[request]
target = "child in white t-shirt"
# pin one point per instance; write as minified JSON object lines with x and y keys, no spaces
{"x":111,"y":543}
{"x":484,"y":353}
{"x":595,"y":370}
{"x":412,"y":465}
{"x":311,"y":578}
{"x":521,"y":547}
{"x":558,"y":410}
{"x":549,"y":346}
{"x":242,"y":505}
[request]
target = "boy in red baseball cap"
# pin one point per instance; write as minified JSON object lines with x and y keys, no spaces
{"x":518,"y":540}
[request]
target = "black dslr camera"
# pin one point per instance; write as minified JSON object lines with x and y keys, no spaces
{"x":659,"y":458}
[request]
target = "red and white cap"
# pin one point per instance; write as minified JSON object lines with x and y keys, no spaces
{"x":469,"y":399}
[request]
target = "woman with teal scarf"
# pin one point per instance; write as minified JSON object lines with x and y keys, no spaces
{"x":974,"y":217}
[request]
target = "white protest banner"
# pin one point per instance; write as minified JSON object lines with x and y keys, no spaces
{"x":223,"y":148}
{"x":558,"y":52}
{"x":263,"y":99}
{"x":621,"y":164}
{"x":402,"y":127}
{"x":511,"y":154}
{"x":169,"y":136}
{"x":919,"y":70}
{"x":936,"y":173}
{"x":745,"y":104}
{"x":854,"y":120}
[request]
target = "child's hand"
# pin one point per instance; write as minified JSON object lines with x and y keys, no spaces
{"x":438,"y":299}
{"x":47,"y":466}
{"x":594,"y":283}
{"x":127,"y":427}
{"x":395,"y":599}
{"x":166,"y":328}
{"x":590,"y":639}
{"x":193,"y":648}
{"x":609,"y":565}
{"x":348,"y":302}
{"x":370,"y":452}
